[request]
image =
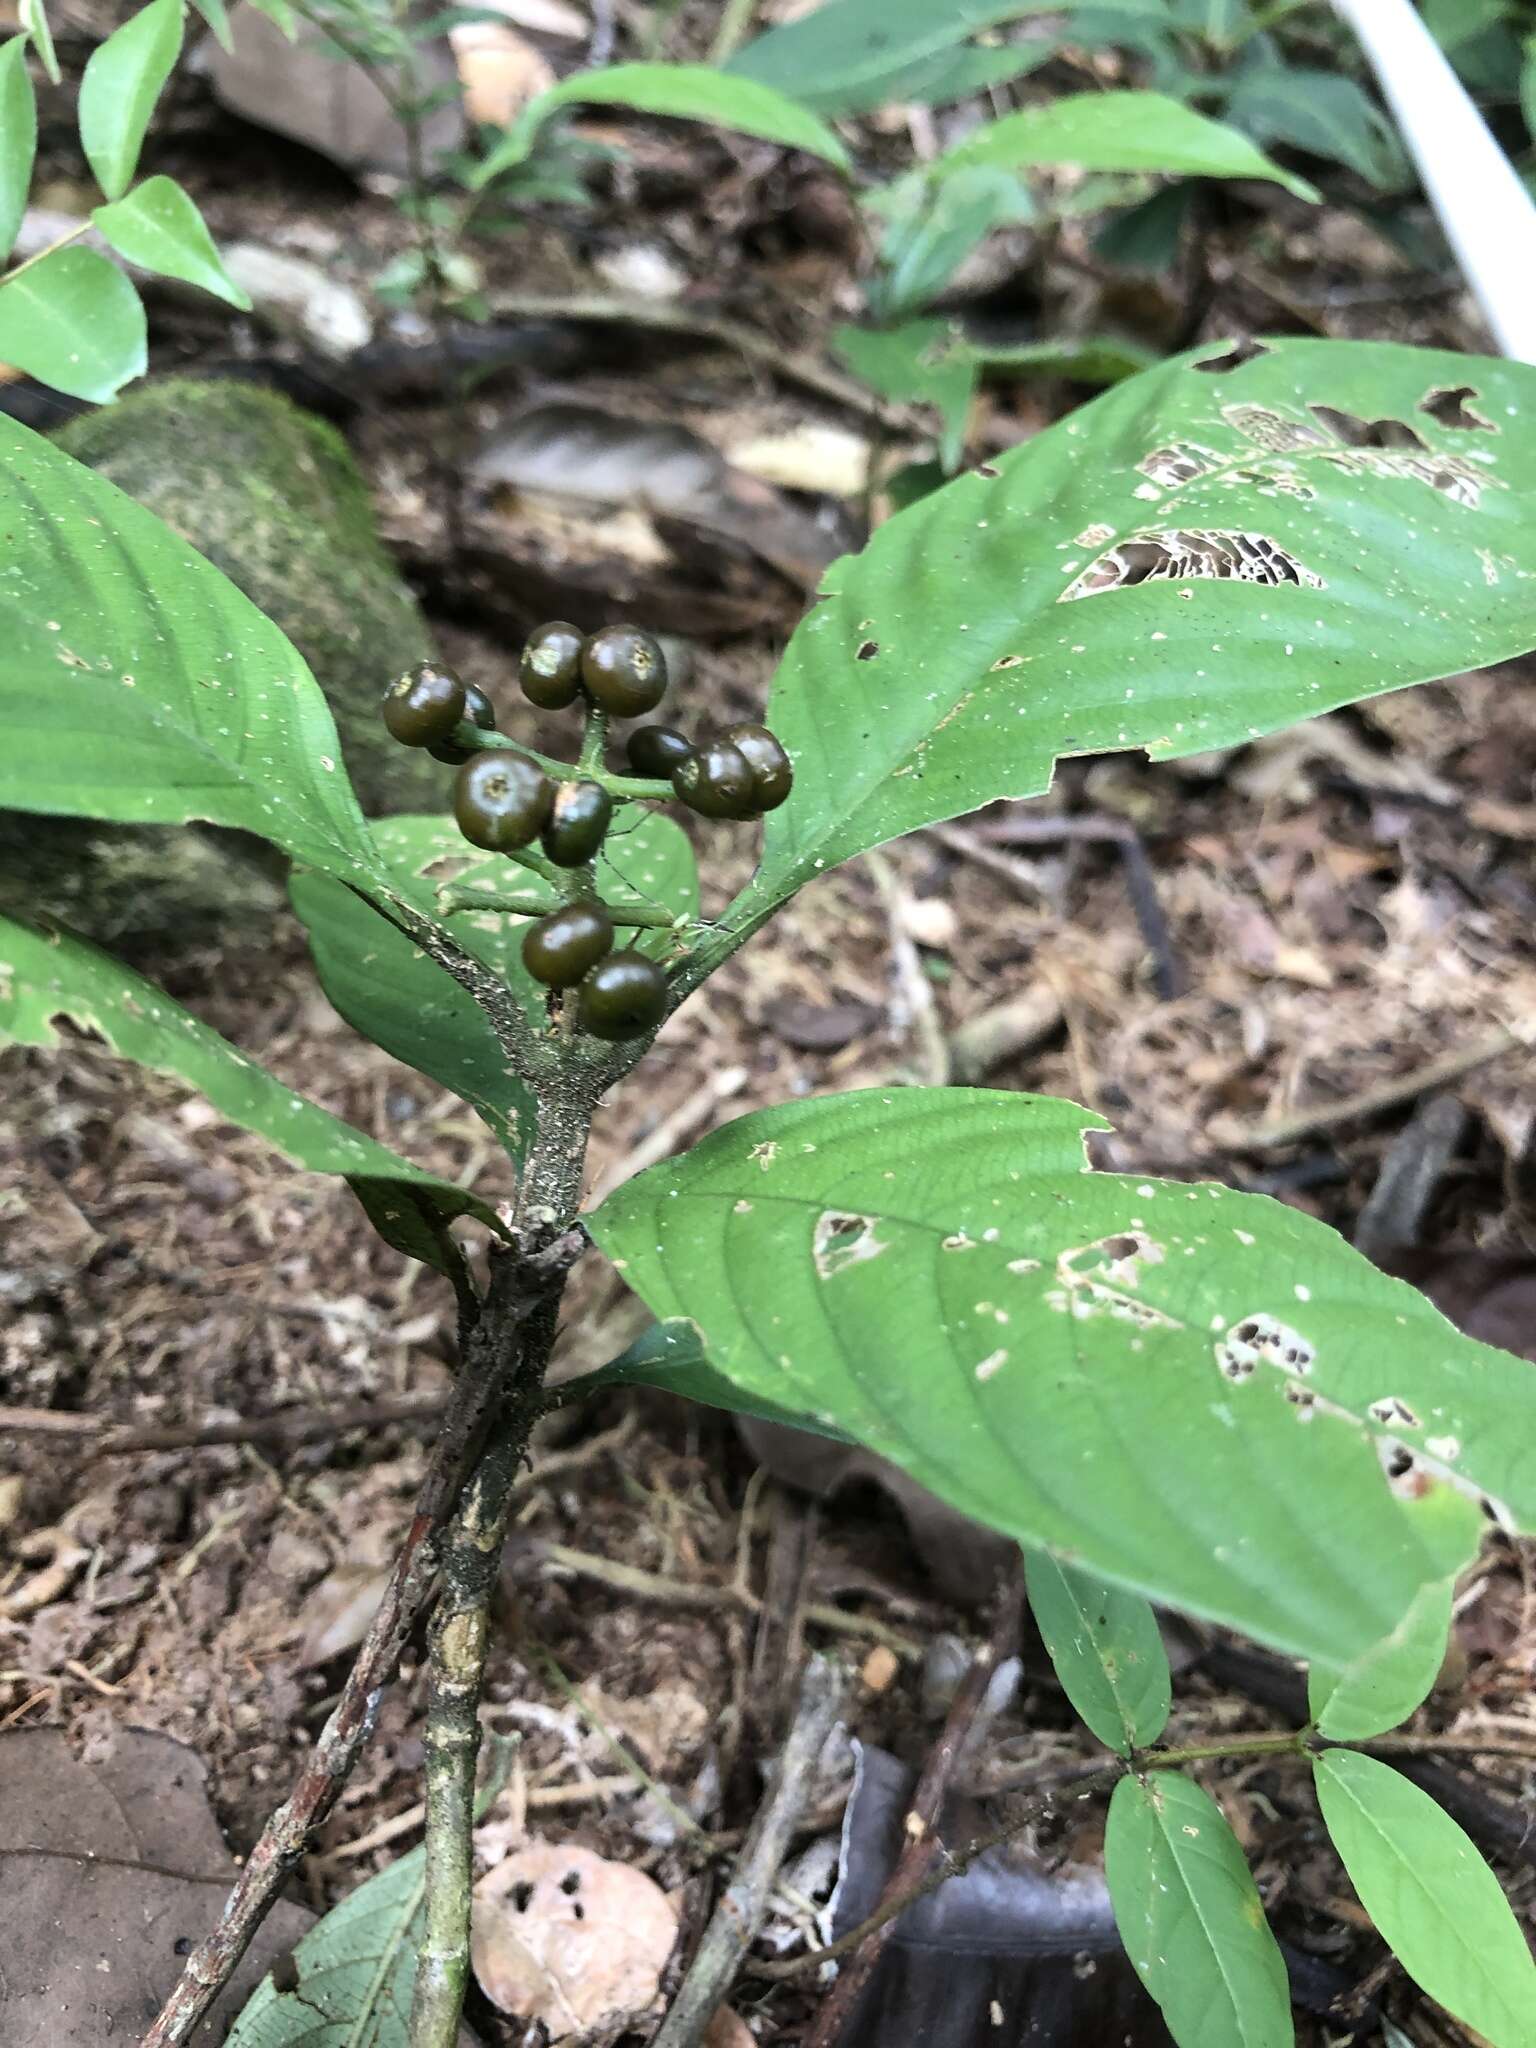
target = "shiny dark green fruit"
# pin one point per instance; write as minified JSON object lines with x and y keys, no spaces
{"x":424,"y":705}
{"x":717,"y":781}
{"x":560,"y":948}
{"x":625,"y":996}
{"x":479,"y":710}
{"x":501,"y":800}
{"x":772,"y":776}
{"x":655,"y":750}
{"x":578,"y":823}
{"x":624,"y":670}
{"x":550,"y":670}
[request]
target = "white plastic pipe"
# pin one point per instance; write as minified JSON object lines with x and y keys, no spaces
{"x":1487,"y":214}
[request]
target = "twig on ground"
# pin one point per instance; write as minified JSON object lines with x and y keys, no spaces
{"x":507,"y":1351}
{"x":912,"y":984}
{"x":687,"y":1593}
{"x":739,"y":1912}
{"x":1371,"y":1102}
{"x":289,"y":1426}
{"x":921,"y":1844}
{"x":1000,"y":1033}
{"x":658,"y":1144}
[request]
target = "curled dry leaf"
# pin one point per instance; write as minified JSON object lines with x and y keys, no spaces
{"x":563,"y":1936}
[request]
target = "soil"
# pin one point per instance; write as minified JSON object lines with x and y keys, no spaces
{"x":1346,"y":905}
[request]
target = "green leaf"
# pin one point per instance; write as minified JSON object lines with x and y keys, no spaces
{"x":671,"y":1357}
{"x":916,"y":362}
{"x":1528,"y":86}
{"x":1433,"y":1898}
{"x":1119,"y":131}
{"x":1289,"y":571}
{"x":119,"y":89}
{"x":1323,"y":113}
{"x":690,"y":92}
{"x":356,"y":1971}
{"x":848,"y":56}
{"x":1181,"y":1389}
{"x":44,"y":978}
{"x":1190,"y":1917}
{"x":139,"y":685}
{"x":395,"y":994}
{"x":216,"y":14}
{"x":158,"y":227}
{"x":1107,"y":1651}
{"x":33,"y":20}
{"x":73,"y":321}
{"x":932,"y":225}
{"x":1383,"y":1687}
{"x":18,"y":138}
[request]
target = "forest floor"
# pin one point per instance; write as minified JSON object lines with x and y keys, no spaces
{"x":1345,"y":908}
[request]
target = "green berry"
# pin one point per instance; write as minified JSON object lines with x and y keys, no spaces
{"x":501,"y":800}
{"x":624,"y":671}
{"x":578,"y":823}
{"x":717,"y":781}
{"x":655,"y":750}
{"x":550,"y":670}
{"x":560,"y":948}
{"x":479,"y":710}
{"x":424,"y":705}
{"x":772,"y":775}
{"x":625,"y":996}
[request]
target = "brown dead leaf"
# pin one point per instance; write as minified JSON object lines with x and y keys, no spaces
{"x":339,"y":1611}
{"x":562,"y":1936}
{"x":124,"y":1853}
{"x":499,"y":70}
{"x":726,"y":2030}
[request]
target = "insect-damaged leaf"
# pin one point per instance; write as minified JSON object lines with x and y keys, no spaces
{"x":1203,"y":554}
{"x":44,"y":978}
{"x":1202,"y":1395}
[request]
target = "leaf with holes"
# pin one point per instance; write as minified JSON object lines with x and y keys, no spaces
{"x":158,"y":227}
{"x":1118,"y":131}
{"x":1107,"y":1650}
{"x":689,"y":92}
{"x":1431,"y":1895}
{"x":1205,"y":1396}
{"x":18,"y":138}
{"x":74,"y":322}
{"x":1382,"y":1688}
{"x":45,"y":978}
{"x":1191,"y":1918}
{"x":394,"y":993}
{"x":140,"y":685}
{"x":119,"y":88}
{"x":1210,"y":551}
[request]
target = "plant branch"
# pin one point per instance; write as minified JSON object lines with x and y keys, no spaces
{"x":589,"y":768}
{"x":507,"y":1349}
{"x":741,"y":1906}
{"x":81,"y":228}
{"x":460,"y":1633}
{"x":454,"y":897}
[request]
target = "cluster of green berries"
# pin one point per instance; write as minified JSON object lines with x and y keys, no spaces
{"x":503,"y":801}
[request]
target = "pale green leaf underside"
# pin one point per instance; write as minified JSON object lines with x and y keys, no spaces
{"x":1202,"y":1409}
{"x":158,"y":227}
{"x":140,"y":685}
{"x":1119,"y":131}
{"x":47,"y":978}
{"x":692,"y":92}
{"x":1191,"y":1919}
{"x":1106,"y":1649}
{"x":357,"y":1972}
{"x":74,"y":322}
{"x":1382,"y":1688}
{"x":945,"y":667}
{"x":1433,"y":1898}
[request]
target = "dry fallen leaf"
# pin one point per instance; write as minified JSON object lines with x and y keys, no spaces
{"x":563,"y":1936}
{"x":727,"y":2031}
{"x":499,"y":70}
